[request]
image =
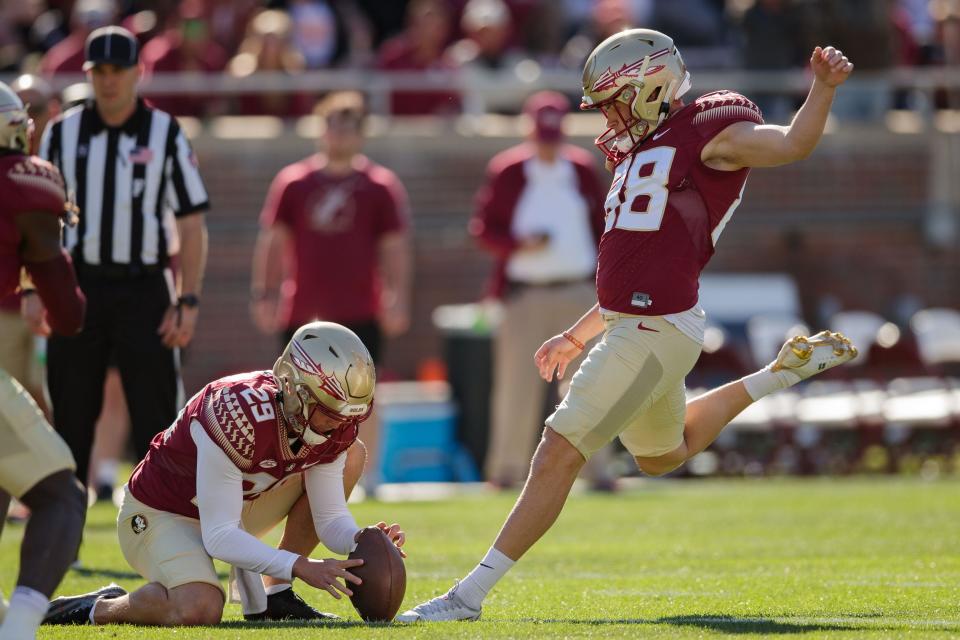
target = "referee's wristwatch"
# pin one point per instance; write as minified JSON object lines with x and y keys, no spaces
{"x":190,"y":300}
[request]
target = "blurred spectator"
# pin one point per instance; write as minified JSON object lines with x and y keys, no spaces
{"x":540,"y":213}
{"x":75,"y":94}
{"x":485,"y":53}
{"x":144,"y":25}
{"x":606,"y":18}
{"x":420,"y":48}
{"x":228,"y":20}
{"x":773,"y":40}
{"x":16,"y":19}
{"x":67,"y":55}
{"x":386,"y":18}
{"x":317,"y":33}
{"x":864,"y":31}
{"x":335,"y":244}
{"x":185,"y":47}
{"x":691,"y":23}
{"x":268,"y":47}
{"x":486,"y":27}
{"x":542,"y":30}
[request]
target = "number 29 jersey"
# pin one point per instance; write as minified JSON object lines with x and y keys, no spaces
{"x":666,"y":210}
{"x":242,"y":415}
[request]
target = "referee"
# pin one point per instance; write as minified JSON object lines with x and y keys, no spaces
{"x":141,"y":200}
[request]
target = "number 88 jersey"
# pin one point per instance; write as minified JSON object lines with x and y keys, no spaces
{"x":242,"y":415}
{"x":666,"y":210}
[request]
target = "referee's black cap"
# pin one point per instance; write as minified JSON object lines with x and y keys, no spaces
{"x":111,"y":45}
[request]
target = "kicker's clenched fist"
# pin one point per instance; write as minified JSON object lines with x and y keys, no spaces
{"x":830,"y":66}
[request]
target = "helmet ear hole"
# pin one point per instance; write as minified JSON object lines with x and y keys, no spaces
{"x":655,"y":94}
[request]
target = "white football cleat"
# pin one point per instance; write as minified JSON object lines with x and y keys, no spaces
{"x":805,"y":357}
{"x":445,"y":608}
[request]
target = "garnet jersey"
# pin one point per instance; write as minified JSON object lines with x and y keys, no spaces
{"x":27,"y":183}
{"x":336,"y":223}
{"x":242,"y":415}
{"x":666,"y":210}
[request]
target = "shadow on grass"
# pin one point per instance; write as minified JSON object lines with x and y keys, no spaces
{"x":300,"y":624}
{"x":758,"y":625}
{"x":114,"y":574}
{"x":733,"y":624}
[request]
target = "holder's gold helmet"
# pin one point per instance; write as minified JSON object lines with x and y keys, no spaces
{"x":15,"y":124}
{"x":326,"y":368}
{"x":639,"y":73}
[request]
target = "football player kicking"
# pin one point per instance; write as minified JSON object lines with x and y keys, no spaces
{"x":679,"y":172}
{"x":247,"y":451}
{"x":35,"y":463}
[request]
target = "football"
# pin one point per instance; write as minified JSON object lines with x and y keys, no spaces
{"x":384,"y":577}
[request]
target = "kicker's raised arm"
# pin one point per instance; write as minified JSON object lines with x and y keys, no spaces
{"x":746,"y":144}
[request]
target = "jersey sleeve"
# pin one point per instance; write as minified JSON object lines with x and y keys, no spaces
{"x":220,"y":504}
{"x":38,"y":184}
{"x":186,"y":192}
{"x":227,"y":421}
{"x":716,"y":111}
{"x":332,"y":520}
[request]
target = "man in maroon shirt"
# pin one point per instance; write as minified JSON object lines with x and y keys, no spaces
{"x":35,"y":463}
{"x":679,"y":173}
{"x":334,"y":243}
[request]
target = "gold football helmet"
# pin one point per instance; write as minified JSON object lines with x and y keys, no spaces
{"x":639,"y":73}
{"x":326,"y":368}
{"x":15,"y":125}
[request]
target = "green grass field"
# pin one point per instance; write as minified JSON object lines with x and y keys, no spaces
{"x":826,"y":558}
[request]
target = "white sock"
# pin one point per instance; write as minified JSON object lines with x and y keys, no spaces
{"x":277,"y":588}
{"x":474,"y":588}
{"x":107,"y":471}
{"x":766,"y":381}
{"x":27,"y":608}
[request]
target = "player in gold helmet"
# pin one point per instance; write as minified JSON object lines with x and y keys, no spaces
{"x":679,"y":174}
{"x":248,"y":451}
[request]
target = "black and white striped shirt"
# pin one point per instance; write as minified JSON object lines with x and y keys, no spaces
{"x":130,"y":182}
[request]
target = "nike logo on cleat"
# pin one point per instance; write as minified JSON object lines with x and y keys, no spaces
{"x":643,"y":328}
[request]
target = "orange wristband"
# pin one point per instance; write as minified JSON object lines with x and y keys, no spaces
{"x":569,"y":336}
